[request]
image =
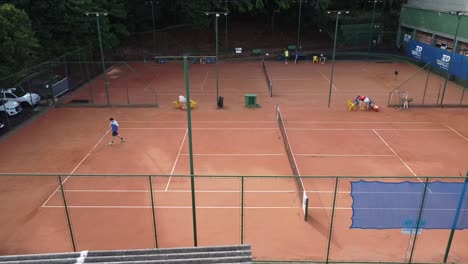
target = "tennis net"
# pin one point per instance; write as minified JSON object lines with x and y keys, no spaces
{"x":292,"y":161}
{"x":268,"y":80}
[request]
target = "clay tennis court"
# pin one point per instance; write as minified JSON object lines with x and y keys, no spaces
{"x":115,"y":212}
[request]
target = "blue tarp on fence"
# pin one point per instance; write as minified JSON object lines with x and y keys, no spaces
{"x":384,"y":205}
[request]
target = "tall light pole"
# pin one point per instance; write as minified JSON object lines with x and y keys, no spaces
{"x":337,"y":13}
{"x":458,"y":14}
{"x":372,"y":22}
{"x":299,"y":23}
{"x":227,"y":11}
{"x":154,"y":23}
{"x":106,"y":82}
{"x":216,"y":15}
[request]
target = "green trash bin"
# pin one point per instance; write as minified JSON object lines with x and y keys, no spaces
{"x":250,"y":100}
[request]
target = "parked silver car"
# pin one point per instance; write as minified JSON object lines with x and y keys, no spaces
{"x":20,"y":96}
{"x":10,"y":107}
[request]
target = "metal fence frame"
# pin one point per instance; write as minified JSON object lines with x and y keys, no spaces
{"x":426,"y":181}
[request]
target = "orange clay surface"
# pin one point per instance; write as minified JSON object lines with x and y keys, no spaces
{"x":115,"y":212}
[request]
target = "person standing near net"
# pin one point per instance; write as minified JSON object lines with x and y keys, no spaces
{"x":115,"y":130}
{"x":286,"y":56}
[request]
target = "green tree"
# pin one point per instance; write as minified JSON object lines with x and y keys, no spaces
{"x":18,"y":45}
{"x":62,"y":25}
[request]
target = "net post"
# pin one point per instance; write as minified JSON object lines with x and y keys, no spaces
{"x":332,"y":219}
{"x":153,"y":214}
{"x":418,"y":224}
{"x":455,"y":220}
{"x":67,"y":213}
{"x":242,"y":210}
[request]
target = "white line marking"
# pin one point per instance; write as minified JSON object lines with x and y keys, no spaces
{"x":153,"y":128}
{"x":177,"y":159}
{"x":169,"y":207}
{"x":356,"y":122}
{"x":456,"y":132}
{"x":245,"y":191}
{"x":234,"y":154}
{"x":272,"y":128}
{"x":180,"y":191}
{"x":87,"y":155}
{"x":230,"y":122}
{"x":238,"y":207}
{"x":334,"y":87}
{"x":396,"y":154}
{"x":204,"y":81}
{"x":299,"y":122}
{"x":345,"y":155}
{"x":367,"y":129}
{"x":202,"y":128}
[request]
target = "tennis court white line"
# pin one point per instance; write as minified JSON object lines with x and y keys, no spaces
{"x":245,"y":191}
{"x":315,"y":70}
{"x":398,"y":156}
{"x":363,"y":129}
{"x":204,"y":80}
{"x":233,"y":154}
{"x":221,"y":121}
{"x":177,"y":159}
{"x":346,"y":155}
{"x":358,"y":122}
{"x":456,"y":132}
{"x":201,"y":128}
{"x":168,"y":207}
{"x":180,"y":191}
{"x":287,"y":122}
{"x":153,"y":128}
{"x":334,"y":87}
{"x":236,"y":207}
{"x":79,"y":164}
{"x":275,"y":128}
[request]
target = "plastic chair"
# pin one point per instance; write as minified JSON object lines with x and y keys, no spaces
{"x":351,"y":105}
{"x":315,"y":59}
{"x":178,"y":104}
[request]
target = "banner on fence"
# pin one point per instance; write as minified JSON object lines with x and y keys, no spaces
{"x":438,"y":58}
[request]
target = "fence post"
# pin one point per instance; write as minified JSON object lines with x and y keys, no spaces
{"x":127,"y":83}
{"x":332,"y":218}
{"x":66,"y":213}
{"x":455,"y":220}
{"x":192,"y":171}
{"x":89,"y":82}
{"x":152,"y":212}
{"x":418,"y":224}
{"x":427,"y":81}
{"x":242,"y":210}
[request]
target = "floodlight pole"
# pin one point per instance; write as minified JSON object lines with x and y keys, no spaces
{"x":299,"y":24}
{"x":216,"y":14}
{"x":338,"y":13}
{"x":372,"y":23}
{"x":106,"y":82}
{"x":154,"y":23}
{"x":458,"y":14}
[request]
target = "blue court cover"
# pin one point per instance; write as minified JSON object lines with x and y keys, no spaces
{"x":386,"y":205}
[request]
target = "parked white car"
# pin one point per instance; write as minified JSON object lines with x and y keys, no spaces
{"x":20,"y":96}
{"x":10,"y":107}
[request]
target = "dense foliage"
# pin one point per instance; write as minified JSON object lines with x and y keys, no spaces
{"x":53,"y":27}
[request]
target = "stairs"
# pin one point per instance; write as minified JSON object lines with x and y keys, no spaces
{"x":221,"y":254}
